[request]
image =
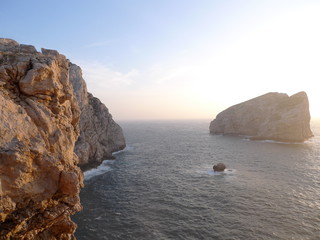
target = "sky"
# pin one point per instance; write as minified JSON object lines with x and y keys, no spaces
{"x":177,"y":59}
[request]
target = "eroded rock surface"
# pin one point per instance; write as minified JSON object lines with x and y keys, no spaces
{"x":274,"y":116}
{"x":100,"y":135}
{"x":39,"y":115}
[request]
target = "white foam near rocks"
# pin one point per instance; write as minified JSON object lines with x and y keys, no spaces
{"x":225,"y":172}
{"x":101,"y":169}
{"x":126,"y":149}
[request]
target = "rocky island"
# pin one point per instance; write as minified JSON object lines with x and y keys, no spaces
{"x":273,"y":116}
{"x":49,"y":124}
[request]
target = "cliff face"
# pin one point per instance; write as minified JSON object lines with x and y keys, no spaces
{"x":274,"y":116}
{"x":39,"y":114}
{"x":44,"y":109}
{"x":100,"y":135}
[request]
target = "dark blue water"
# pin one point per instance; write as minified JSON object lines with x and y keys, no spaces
{"x":163,"y":187}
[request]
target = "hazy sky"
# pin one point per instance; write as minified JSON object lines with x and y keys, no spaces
{"x":169,"y":59}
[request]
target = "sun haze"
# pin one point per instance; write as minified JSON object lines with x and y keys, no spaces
{"x":178,"y":59}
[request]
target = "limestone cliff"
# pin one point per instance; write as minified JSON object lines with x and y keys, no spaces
{"x":39,"y":114}
{"x":274,"y":116}
{"x":100,"y":135}
{"x":44,"y":107}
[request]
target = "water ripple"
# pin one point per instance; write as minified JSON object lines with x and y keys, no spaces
{"x":163,"y":187}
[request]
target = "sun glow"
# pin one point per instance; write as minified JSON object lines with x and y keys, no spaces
{"x":277,"y":54}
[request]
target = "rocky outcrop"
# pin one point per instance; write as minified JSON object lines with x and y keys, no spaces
{"x":44,"y":107}
{"x":273,"y":116}
{"x":100,"y":135}
{"x":220,"y":167}
{"x":39,"y":115}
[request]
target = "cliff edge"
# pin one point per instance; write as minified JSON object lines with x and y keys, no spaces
{"x":44,"y":108}
{"x":273,"y":116}
{"x":100,"y":135}
{"x":39,"y":114}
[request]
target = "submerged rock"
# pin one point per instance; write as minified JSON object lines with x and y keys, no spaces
{"x":273,"y":116}
{"x":220,"y":167}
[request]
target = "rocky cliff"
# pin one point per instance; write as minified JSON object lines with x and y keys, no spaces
{"x":40,"y":112}
{"x":100,"y":135}
{"x":274,"y":116}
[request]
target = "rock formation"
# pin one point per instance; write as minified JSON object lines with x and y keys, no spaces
{"x":39,"y":114}
{"x":39,"y":126}
{"x":273,"y":116}
{"x":100,"y":135}
{"x":220,"y":167}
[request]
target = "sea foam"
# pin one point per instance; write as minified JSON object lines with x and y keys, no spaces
{"x":126,"y":149}
{"x":274,"y":141}
{"x":101,"y":169}
{"x":225,"y":172}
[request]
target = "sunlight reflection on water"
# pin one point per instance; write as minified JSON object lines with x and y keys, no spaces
{"x":164,"y":187}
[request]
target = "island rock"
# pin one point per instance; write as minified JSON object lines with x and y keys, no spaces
{"x":220,"y":167}
{"x":273,"y":116}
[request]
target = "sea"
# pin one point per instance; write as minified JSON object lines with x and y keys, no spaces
{"x":162,"y":186}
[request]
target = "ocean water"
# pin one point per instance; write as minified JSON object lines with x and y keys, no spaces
{"x":162,"y":187}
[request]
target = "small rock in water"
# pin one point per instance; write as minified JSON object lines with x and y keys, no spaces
{"x":220,"y":167}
